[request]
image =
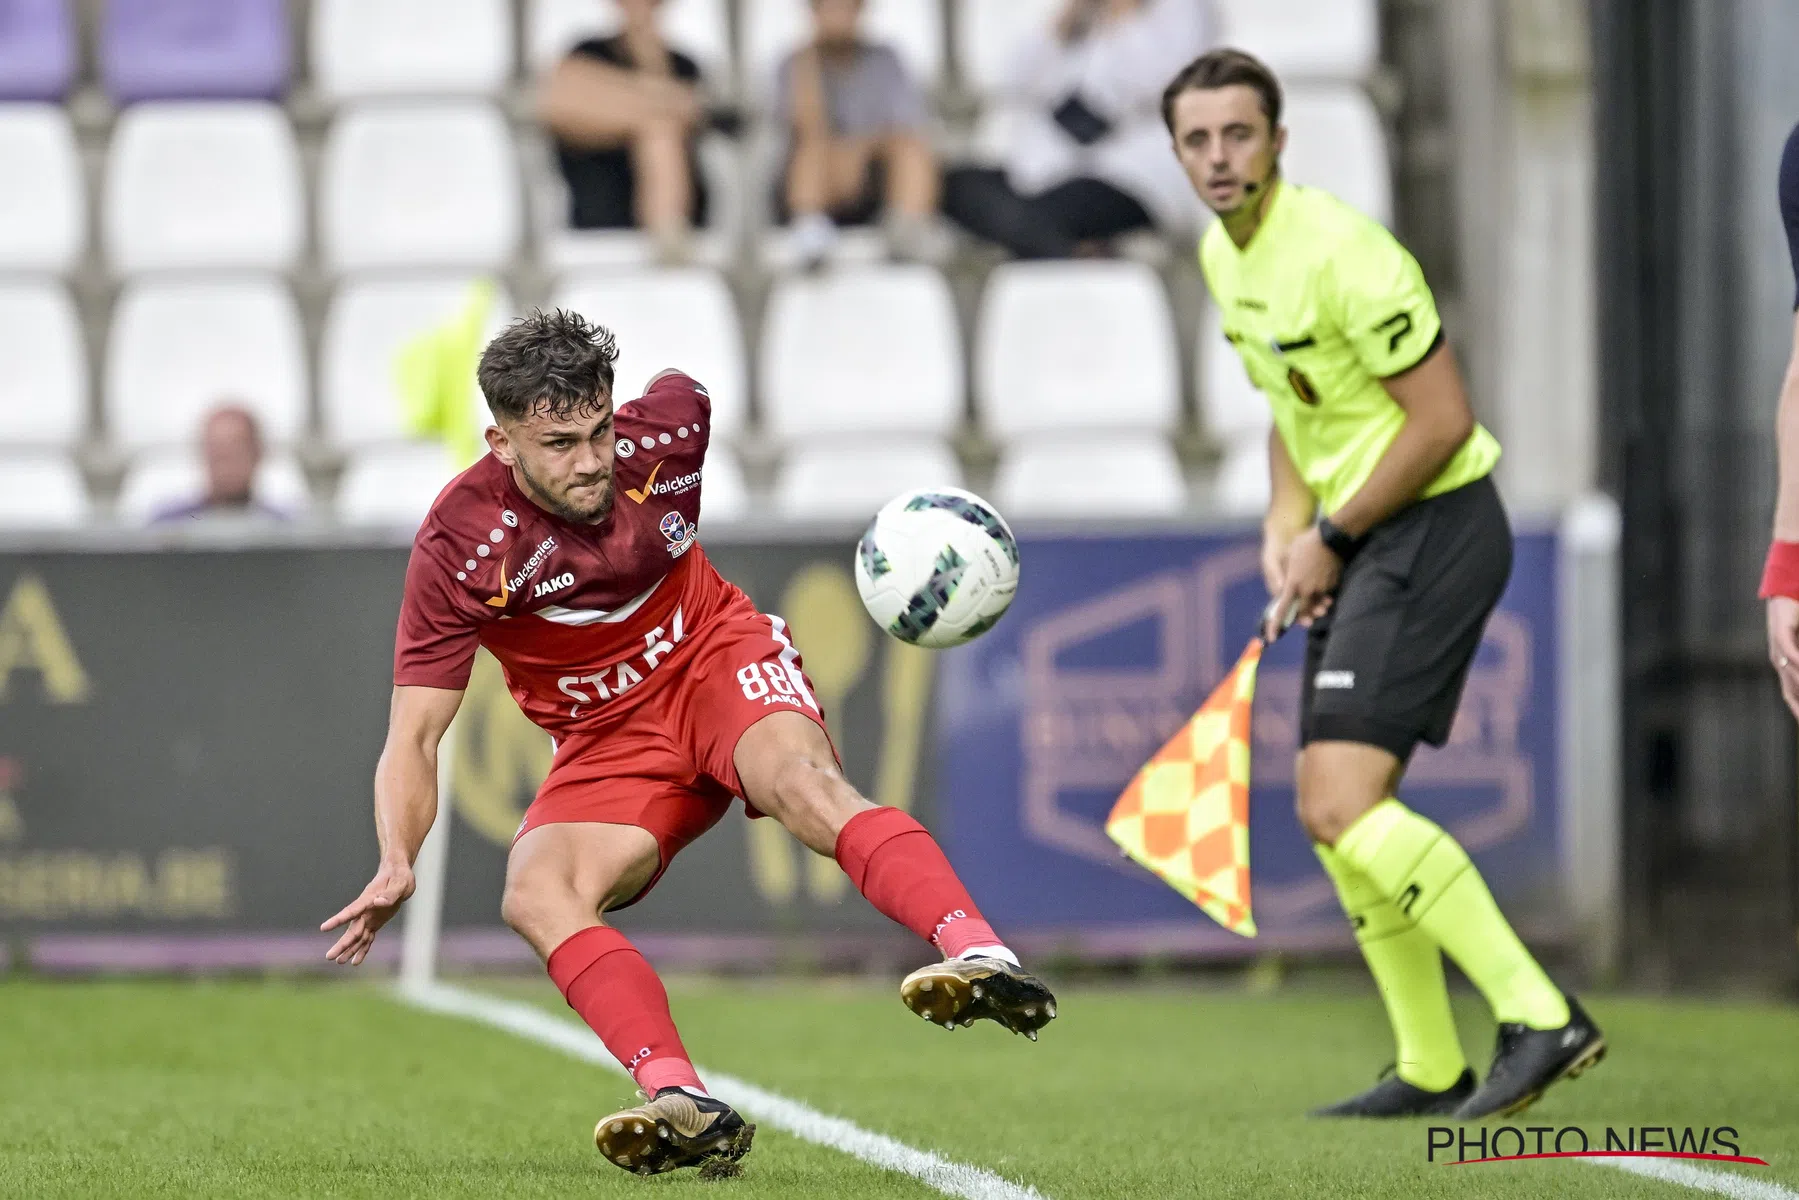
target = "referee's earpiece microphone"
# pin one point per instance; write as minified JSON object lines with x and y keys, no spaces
{"x":1251,"y":188}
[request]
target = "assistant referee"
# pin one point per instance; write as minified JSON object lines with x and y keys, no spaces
{"x":1386,"y":532}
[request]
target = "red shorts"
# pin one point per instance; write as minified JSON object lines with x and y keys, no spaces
{"x":667,"y":765}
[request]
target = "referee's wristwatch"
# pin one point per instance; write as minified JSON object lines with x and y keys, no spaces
{"x":1338,"y":541}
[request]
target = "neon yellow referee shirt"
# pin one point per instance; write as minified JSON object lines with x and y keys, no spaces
{"x":1322,"y":305}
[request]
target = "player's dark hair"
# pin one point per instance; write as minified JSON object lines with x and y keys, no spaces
{"x":1221,"y":69}
{"x":557,"y":363}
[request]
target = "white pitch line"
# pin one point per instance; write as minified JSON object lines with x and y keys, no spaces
{"x":1723,"y":1183}
{"x":790,"y":1116}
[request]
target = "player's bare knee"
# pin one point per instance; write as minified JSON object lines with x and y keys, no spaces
{"x":537,"y":908}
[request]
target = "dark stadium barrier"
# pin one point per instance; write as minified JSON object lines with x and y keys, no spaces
{"x":187,"y":738}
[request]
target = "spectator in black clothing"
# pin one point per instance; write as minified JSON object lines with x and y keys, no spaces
{"x":625,"y":111}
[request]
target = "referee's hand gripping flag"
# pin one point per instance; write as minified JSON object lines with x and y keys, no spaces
{"x":1185,"y":815}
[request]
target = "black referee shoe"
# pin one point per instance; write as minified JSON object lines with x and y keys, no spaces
{"x":1526,"y":1061}
{"x":1394,"y":1097}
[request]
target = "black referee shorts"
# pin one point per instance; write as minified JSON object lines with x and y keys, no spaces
{"x":1386,"y":665}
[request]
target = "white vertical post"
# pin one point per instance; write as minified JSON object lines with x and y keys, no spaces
{"x":424,"y":912}
{"x":1592,"y":821}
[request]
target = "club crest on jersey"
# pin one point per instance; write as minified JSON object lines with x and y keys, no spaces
{"x":679,"y":533}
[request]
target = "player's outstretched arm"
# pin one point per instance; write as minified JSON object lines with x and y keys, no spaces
{"x":405,"y":806}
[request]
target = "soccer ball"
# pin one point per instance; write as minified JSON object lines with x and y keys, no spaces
{"x":938,"y":567}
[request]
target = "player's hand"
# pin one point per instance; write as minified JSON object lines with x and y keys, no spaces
{"x":365,"y":915}
{"x":1783,"y":647}
{"x":1312,"y":574}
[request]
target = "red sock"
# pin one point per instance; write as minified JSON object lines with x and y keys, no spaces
{"x":898,"y":866}
{"x":616,"y":991}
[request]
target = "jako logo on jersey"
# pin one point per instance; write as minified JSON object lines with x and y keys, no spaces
{"x":1338,"y":681}
{"x":511,"y":584}
{"x":566,"y":579}
{"x":678,"y":486}
{"x":615,"y":679}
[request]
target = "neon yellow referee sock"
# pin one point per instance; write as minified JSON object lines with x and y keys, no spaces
{"x":1428,"y":876}
{"x":1408,"y":969}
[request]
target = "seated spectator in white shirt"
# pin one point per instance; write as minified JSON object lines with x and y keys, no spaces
{"x":1088,"y":158}
{"x":857,"y":148}
{"x":230,"y":450}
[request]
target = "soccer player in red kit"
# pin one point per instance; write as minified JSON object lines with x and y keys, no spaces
{"x":570,"y":552}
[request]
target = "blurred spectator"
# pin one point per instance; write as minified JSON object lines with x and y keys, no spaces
{"x":625,"y":111}
{"x":230,"y":451}
{"x":1089,"y":157}
{"x":855,"y":122}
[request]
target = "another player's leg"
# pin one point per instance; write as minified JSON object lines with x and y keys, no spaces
{"x":1412,"y":862}
{"x":789,"y":772}
{"x":559,"y":879}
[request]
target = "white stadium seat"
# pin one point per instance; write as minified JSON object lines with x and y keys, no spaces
{"x":1230,"y":406}
{"x":43,"y":204}
{"x":988,"y":33}
{"x":1100,"y":476}
{"x":161,"y":480}
{"x":1335,"y":142}
{"x":700,"y":29}
{"x":774,"y":28}
{"x":1305,"y":39}
{"x":1235,"y":413}
{"x":419,"y":185}
{"x":202,"y":185}
{"x":43,"y":384}
{"x":393,"y":485}
{"x":681,"y":318}
{"x":1242,"y":486}
{"x":1076,"y":346}
{"x":41,"y":491}
{"x":852,"y":479}
{"x":369,"y":323}
{"x":862,"y":351}
{"x":724,"y":493}
{"x":411,"y":47}
{"x":179,"y":348}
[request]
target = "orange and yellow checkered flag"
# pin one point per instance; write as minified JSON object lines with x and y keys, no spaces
{"x":1186,"y":814}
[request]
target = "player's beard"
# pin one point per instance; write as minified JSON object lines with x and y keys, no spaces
{"x":599,"y":511}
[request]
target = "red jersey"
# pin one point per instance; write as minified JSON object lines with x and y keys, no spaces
{"x":585,"y":620}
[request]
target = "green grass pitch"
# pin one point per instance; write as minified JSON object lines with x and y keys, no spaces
{"x":284,"y":1089}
